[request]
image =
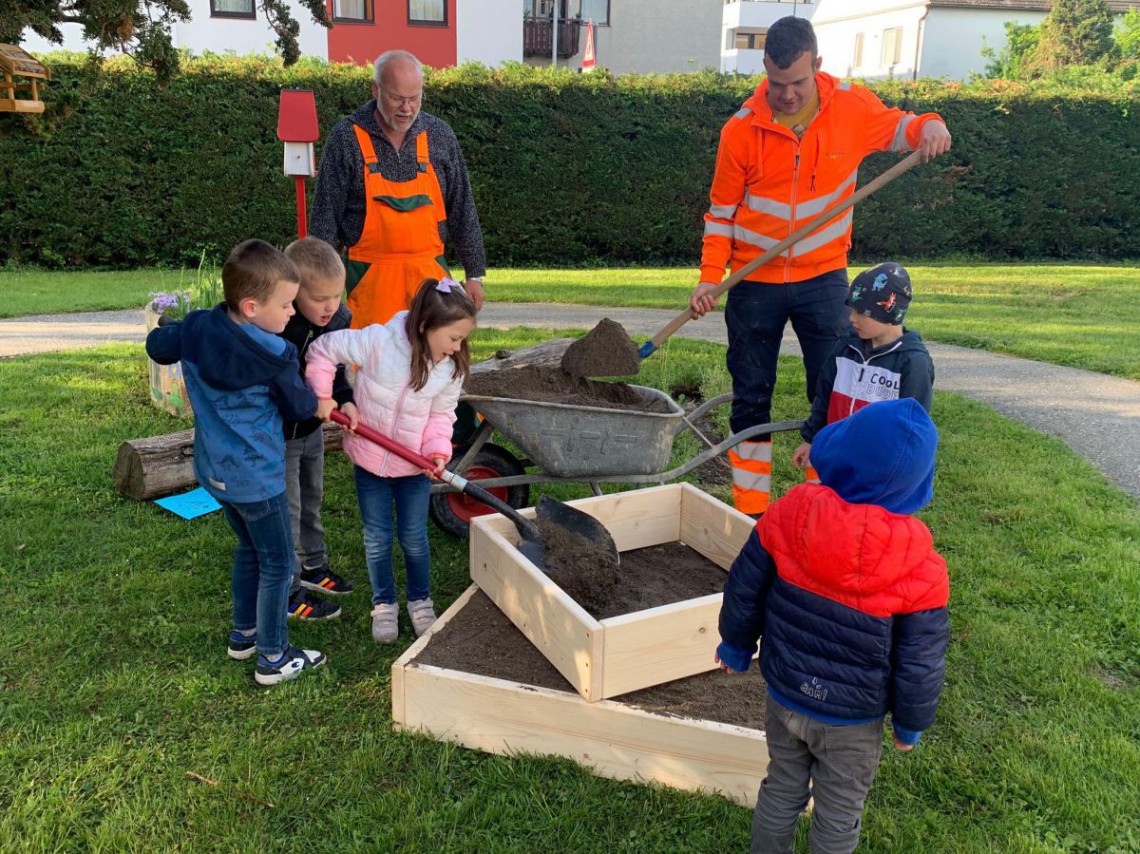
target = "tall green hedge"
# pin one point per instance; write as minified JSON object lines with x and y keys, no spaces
{"x":567,"y":169}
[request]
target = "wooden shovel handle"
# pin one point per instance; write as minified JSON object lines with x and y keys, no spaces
{"x":795,"y":237}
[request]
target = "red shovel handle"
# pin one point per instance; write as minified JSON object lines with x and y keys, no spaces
{"x":384,"y":442}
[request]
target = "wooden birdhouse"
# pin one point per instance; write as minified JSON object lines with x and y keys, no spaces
{"x":20,"y":87}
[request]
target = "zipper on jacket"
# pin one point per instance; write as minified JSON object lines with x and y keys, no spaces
{"x":792,"y":221}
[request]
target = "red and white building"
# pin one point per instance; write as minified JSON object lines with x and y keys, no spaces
{"x":440,"y":32}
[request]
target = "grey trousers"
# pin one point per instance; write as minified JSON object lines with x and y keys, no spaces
{"x":808,"y":758}
{"x":305,"y":486}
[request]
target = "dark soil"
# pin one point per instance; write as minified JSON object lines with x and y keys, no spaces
{"x":586,"y":569}
{"x":607,"y":351}
{"x":481,"y":640}
{"x":554,"y":385}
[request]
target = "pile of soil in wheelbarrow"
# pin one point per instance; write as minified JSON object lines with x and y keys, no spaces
{"x":482,"y":640}
{"x":547,"y":384}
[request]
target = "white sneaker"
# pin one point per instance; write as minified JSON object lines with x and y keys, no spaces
{"x":384,"y":626}
{"x":423,"y":615}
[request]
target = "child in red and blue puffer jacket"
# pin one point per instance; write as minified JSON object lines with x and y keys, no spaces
{"x":850,"y":597}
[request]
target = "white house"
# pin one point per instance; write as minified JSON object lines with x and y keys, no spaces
{"x":876,"y":39}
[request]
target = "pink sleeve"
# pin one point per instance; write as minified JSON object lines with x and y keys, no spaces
{"x":437,"y":433}
{"x":320,"y":370}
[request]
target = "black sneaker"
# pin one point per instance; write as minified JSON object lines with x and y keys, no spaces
{"x":302,"y":606}
{"x":241,"y":646}
{"x":293,"y":663}
{"x":324,"y":580}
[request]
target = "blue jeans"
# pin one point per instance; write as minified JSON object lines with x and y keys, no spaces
{"x":411,"y":496}
{"x":755,"y":314}
{"x":806,"y":757}
{"x":263,"y":568}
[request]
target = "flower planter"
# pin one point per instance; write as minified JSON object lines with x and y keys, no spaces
{"x":167,"y":388}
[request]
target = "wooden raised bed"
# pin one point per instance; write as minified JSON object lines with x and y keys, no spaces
{"x":605,"y":658}
{"x":609,"y":738}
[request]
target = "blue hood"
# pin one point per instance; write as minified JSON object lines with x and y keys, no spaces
{"x":883,"y":454}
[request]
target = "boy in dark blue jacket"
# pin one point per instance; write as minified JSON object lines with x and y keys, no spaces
{"x":851,"y":598}
{"x":318,"y":310}
{"x":242,"y":378}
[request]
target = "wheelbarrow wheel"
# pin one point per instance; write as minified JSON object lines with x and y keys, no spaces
{"x":452,"y":511}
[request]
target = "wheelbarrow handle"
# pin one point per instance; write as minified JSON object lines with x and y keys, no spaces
{"x":915,"y":157}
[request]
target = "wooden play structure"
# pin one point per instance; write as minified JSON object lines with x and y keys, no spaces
{"x":19,"y":85}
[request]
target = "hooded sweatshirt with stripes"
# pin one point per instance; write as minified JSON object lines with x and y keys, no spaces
{"x":856,"y":374}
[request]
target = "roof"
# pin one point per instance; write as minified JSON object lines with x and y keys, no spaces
{"x":1118,"y":7}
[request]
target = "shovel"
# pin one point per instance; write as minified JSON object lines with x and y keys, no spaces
{"x":562,"y":516}
{"x":583,"y":353}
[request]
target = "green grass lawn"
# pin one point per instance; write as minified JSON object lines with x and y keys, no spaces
{"x":114,"y":681}
{"x":1081,"y":316}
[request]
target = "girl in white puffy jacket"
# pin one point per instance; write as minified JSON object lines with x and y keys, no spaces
{"x":410,"y":371}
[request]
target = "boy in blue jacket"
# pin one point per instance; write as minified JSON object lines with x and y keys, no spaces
{"x":242,"y":378}
{"x":851,"y":598}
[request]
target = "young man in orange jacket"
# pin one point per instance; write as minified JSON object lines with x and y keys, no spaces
{"x":789,"y":153}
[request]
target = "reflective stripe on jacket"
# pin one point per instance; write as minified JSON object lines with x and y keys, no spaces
{"x":768,"y":183}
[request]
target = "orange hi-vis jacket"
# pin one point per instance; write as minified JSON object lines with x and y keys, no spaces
{"x":768,"y":183}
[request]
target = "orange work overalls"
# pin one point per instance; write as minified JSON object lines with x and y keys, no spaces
{"x":399,"y":245}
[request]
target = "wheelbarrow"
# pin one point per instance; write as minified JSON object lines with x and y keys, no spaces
{"x":576,"y":444}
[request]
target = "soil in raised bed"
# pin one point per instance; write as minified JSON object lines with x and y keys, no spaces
{"x":481,"y":640}
{"x":545,"y":384}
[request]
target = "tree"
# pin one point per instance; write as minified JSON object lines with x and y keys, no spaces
{"x":1128,"y":35}
{"x":139,"y":28}
{"x":1020,"y":43}
{"x":1075,"y":32}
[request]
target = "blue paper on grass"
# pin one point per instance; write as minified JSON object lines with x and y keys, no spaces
{"x":190,"y":505}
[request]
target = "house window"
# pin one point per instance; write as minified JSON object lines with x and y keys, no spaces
{"x":597,"y":11}
{"x":352,"y":10}
{"x":750,"y":41}
{"x":892,"y":46}
{"x":857,"y":62}
{"x":232,"y":9}
{"x":427,"y":12}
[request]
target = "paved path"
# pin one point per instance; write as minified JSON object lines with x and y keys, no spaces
{"x":1096,"y":415}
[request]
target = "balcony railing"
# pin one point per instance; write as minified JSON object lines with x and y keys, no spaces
{"x":536,"y":37}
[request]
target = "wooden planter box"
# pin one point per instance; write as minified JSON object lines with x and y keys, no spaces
{"x":605,"y":658}
{"x":608,"y":738}
{"x":167,"y":388}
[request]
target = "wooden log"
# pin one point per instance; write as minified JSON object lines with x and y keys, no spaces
{"x":544,"y":354}
{"x":163,"y":465}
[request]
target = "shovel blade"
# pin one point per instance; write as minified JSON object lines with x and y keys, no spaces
{"x":570,"y":519}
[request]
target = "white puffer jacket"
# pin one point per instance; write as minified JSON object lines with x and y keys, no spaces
{"x":421,"y":420}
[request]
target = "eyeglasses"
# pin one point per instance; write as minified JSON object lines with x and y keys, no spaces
{"x":398,"y":101}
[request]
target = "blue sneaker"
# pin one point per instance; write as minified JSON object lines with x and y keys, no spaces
{"x":292,"y":663}
{"x":241,"y":646}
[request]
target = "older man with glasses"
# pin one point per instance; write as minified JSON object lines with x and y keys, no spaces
{"x":392,"y":189}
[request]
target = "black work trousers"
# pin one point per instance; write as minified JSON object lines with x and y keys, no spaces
{"x":755,"y":314}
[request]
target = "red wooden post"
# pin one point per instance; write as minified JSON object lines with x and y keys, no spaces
{"x":297,"y":127}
